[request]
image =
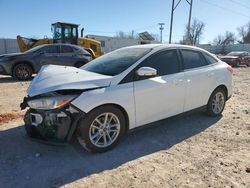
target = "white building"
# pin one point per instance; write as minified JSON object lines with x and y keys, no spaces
{"x":8,"y":46}
{"x":109,"y":44}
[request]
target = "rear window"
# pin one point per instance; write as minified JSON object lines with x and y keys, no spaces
{"x":210,"y":59}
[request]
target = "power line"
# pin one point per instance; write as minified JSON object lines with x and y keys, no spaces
{"x":238,"y":3}
{"x":225,"y":9}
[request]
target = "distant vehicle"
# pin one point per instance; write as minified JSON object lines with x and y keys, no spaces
{"x":237,"y":58}
{"x":66,"y":33}
{"x":122,"y":90}
{"x":22,"y":65}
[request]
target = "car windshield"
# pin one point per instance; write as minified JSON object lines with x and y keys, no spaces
{"x":234,"y":54}
{"x":116,"y":62}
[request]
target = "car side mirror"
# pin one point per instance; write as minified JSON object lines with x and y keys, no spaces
{"x":146,"y":72}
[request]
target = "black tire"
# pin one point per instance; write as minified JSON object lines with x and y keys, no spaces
{"x":237,"y":64}
{"x":22,"y":71}
{"x":79,"y":64}
{"x":211,"y":103}
{"x":248,"y":64}
{"x":84,"y":129}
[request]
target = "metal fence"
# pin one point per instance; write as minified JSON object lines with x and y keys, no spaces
{"x":8,"y":46}
{"x":220,"y":49}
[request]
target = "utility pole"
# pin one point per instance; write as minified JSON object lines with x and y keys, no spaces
{"x":171,"y":23}
{"x":172,"y":17}
{"x":161,"y":28}
{"x":189,"y":19}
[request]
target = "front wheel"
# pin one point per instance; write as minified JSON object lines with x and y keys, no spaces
{"x":216,"y":103}
{"x":101,"y":129}
{"x":22,"y":72}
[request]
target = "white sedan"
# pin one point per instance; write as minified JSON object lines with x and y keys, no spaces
{"x":122,"y":90}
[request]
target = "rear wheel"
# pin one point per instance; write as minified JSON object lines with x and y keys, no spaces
{"x":216,"y":103}
{"x":248,"y":64}
{"x":101,"y":129}
{"x":22,"y":71}
{"x":237,"y":64}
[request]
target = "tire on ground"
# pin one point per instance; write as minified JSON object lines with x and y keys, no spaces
{"x":22,"y":71}
{"x":85,"y":124}
{"x":209,"y":110}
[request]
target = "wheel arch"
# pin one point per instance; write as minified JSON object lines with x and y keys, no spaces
{"x":224,"y":88}
{"x":23,"y":62}
{"x":120,"y":108}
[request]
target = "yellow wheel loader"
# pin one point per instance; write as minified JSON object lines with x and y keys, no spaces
{"x":63,"y":33}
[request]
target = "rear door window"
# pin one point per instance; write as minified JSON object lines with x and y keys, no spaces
{"x":192,"y":59}
{"x":210,"y":59}
{"x":50,"y":49}
{"x":66,"y":49}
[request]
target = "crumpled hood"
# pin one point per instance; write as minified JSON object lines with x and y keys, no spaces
{"x":54,"y":77}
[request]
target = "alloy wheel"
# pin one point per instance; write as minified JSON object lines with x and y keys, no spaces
{"x":104,"y":130}
{"x":218,"y":102}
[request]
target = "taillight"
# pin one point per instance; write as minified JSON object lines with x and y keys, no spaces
{"x":230,"y":69}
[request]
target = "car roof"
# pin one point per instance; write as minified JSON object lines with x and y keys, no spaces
{"x":61,"y":44}
{"x":165,"y":46}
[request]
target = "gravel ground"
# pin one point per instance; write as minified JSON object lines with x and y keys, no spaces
{"x":188,"y":151}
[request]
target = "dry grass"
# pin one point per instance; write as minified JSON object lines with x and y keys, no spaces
{"x":6,"y":117}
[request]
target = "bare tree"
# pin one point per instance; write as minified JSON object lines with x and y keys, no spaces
{"x":244,"y":33}
{"x":196,"y":31}
{"x":246,"y":39}
{"x":226,"y":39}
{"x":123,"y":35}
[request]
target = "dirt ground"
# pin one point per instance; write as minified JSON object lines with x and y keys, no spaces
{"x":188,"y":151}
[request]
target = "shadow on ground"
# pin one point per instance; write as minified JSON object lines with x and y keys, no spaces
{"x":25,"y":163}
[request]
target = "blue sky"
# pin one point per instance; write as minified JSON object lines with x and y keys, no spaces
{"x":32,"y":18}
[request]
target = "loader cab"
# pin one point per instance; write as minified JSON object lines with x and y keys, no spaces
{"x":64,"y":33}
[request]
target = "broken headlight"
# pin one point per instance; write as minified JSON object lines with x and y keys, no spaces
{"x":48,"y":103}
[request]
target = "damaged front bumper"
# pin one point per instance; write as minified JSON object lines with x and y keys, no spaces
{"x":57,"y":125}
